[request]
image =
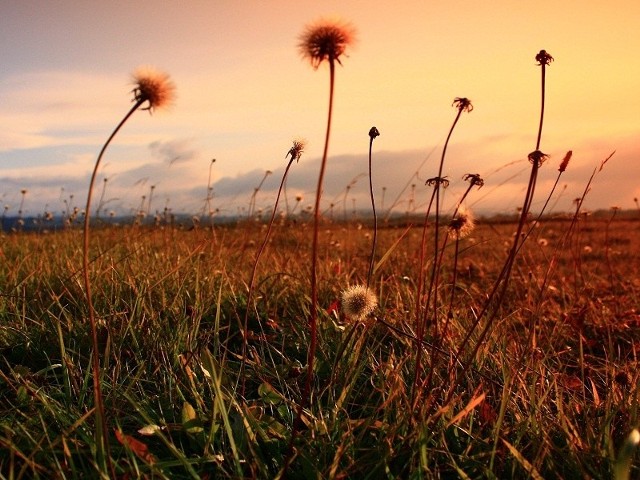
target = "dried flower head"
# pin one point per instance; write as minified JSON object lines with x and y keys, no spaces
{"x":326,"y":39}
{"x":358,"y":302}
{"x":538,"y":157}
{"x":543,"y":58}
{"x":565,"y":161}
{"x":153,"y":87}
{"x":474,"y":179}
{"x":463,"y":104}
{"x":437,"y":181}
{"x":373,"y":133}
{"x":463,"y":223}
{"x":299,"y":144}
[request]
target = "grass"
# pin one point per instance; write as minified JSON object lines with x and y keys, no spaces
{"x":551,"y":393}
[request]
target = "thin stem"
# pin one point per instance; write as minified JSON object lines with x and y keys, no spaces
{"x":102,"y":433}
{"x":306,"y":396}
{"x":502,"y":281}
{"x":420,"y":327}
{"x":314,"y":248}
{"x":543,"y":65}
{"x":434,"y":277}
{"x":253,"y":275}
{"x":375,"y":218}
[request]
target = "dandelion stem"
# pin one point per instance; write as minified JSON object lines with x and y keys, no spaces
{"x":253,"y":275}
{"x":373,"y":133}
{"x":314,"y":248}
{"x":101,"y":433}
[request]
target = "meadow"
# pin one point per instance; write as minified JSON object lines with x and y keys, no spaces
{"x":552,"y":392}
{"x":420,"y":346}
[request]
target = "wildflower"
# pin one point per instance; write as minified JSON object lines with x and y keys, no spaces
{"x":565,"y":161}
{"x":326,"y":39}
{"x":373,"y":133}
{"x":463,"y":223}
{"x":152,"y":87}
{"x":358,"y":302}
{"x":296,"y":150}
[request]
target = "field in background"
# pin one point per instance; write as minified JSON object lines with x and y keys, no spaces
{"x":552,"y":392}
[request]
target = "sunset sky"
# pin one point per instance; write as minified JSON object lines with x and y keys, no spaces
{"x":244,"y":93}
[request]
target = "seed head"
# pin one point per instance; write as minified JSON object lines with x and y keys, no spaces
{"x":153,"y":87}
{"x":543,"y":58}
{"x":373,"y":133}
{"x":299,"y":144}
{"x":437,"y":181}
{"x":326,"y":39}
{"x":463,"y":223}
{"x":538,"y":157}
{"x":474,"y":179}
{"x":358,"y":302}
{"x":463,"y":104}
{"x":565,"y":161}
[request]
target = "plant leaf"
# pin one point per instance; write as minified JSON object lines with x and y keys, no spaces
{"x":136,"y":446}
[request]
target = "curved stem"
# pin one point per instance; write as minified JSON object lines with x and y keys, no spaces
{"x":253,"y":275}
{"x":102,"y":433}
{"x":375,"y":220}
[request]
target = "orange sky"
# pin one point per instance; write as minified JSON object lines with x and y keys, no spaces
{"x":244,"y":93}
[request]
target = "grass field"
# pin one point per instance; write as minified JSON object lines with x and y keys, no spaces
{"x":551,"y":391}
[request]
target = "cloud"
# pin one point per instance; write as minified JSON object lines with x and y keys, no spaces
{"x":173,"y":151}
{"x":398,"y":178}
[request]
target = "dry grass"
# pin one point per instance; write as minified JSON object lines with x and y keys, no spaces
{"x":552,"y":391}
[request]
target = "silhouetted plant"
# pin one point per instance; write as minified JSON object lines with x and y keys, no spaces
{"x":295,"y":152}
{"x":373,"y":133}
{"x":324,"y":40}
{"x":156,"y":91}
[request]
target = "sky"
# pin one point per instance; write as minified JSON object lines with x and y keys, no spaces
{"x":244,"y":93}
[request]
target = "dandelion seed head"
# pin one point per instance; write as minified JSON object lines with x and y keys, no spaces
{"x":463,"y":223}
{"x":153,"y":87}
{"x":326,"y":39}
{"x":358,"y":302}
{"x":299,"y":144}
